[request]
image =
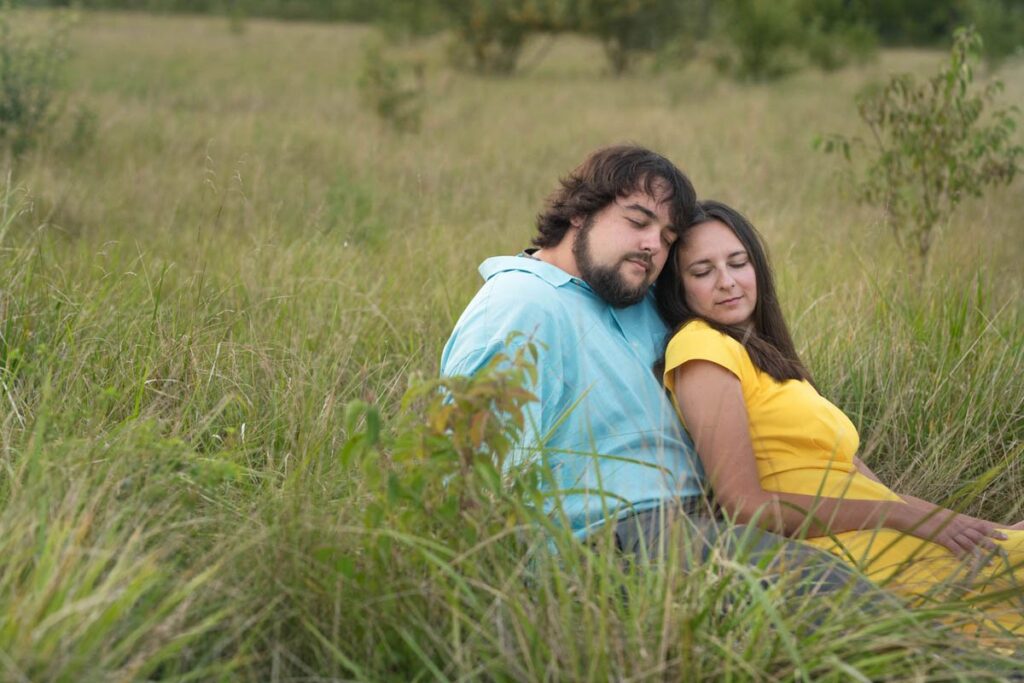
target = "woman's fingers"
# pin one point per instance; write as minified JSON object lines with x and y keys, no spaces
{"x":964,"y":535}
{"x":980,"y":538}
{"x":997,"y":533}
{"x":955,"y":544}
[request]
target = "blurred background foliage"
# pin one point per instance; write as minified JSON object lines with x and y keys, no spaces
{"x":752,"y":39}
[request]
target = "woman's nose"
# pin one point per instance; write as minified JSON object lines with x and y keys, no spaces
{"x":725,"y":280}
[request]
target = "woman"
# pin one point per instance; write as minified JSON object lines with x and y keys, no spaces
{"x":776,"y":452}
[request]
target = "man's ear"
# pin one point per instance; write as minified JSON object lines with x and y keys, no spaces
{"x":576,"y":221}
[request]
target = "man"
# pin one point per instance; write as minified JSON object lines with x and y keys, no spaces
{"x":610,"y":436}
{"x":603,"y":422}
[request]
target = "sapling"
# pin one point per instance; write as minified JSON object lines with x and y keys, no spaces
{"x":931,"y":144}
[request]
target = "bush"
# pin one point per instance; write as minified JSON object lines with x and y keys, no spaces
{"x":1001,"y":25}
{"x":393,"y":89}
{"x":929,"y":146}
{"x":767,"y":40}
{"x":836,"y":33}
{"x":84,"y":130}
{"x":442,"y":470}
{"x":764,"y":36}
{"x":490,"y":34}
{"x":627,"y":29}
{"x":31,"y":66}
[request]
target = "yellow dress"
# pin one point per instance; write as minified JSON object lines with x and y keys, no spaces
{"x":804,"y":444}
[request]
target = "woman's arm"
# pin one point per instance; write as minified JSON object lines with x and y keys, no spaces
{"x":921,"y":505}
{"x":866,"y":471}
{"x":711,"y":401}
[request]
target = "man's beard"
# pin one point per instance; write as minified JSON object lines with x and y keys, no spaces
{"x":607,"y":281}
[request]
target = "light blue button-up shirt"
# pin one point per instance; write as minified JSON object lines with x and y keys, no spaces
{"x":603,"y":422}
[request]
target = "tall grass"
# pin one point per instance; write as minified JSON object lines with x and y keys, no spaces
{"x":189,"y":307}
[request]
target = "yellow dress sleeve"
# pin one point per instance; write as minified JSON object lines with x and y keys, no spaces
{"x":698,"y":341}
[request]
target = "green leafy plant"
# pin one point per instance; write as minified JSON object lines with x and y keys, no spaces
{"x":1001,"y":25}
{"x":931,"y":145}
{"x":443,"y":466}
{"x":490,"y":34}
{"x":761,"y":39}
{"x":31,"y":65}
{"x":629,"y":29}
{"x":84,"y":130}
{"x":393,"y":89}
{"x":836,"y":33}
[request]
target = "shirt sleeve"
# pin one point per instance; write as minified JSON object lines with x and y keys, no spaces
{"x":501,"y":324}
{"x":698,"y":341}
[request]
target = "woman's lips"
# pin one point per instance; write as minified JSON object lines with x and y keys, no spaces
{"x":727,"y":302}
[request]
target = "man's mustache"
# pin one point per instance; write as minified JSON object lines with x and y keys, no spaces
{"x":643,"y":256}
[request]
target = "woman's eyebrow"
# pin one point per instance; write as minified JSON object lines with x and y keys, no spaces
{"x":741,"y":252}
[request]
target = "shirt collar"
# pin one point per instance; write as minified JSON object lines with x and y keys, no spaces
{"x":553,"y":275}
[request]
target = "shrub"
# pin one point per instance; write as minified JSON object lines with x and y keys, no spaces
{"x":441,"y":471}
{"x":1001,"y":25}
{"x":836,"y":32}
{"x":930,"y":146}
{"x":628,"y":29}
{"x":767,"y":40}
{"x":31,"y":66}
{"x":84,"y":130}
{"x":393,"y":89}
{"x":763,"y":35}
{"x":490,"y":34}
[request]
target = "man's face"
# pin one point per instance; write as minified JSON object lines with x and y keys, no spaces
{"x":621,"y":249}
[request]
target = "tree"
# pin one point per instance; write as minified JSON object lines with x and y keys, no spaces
{"x":931,"y":146}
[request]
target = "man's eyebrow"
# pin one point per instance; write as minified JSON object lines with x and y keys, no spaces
{"x":642,"y":209}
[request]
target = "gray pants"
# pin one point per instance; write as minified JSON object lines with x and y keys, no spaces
{"x":692,"y":535}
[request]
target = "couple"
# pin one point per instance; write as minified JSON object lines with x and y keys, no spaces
{"x":775,"y":454}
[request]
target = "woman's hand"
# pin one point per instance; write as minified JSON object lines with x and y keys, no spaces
{"x":963,"y":535}
{"x":1019,"y":526}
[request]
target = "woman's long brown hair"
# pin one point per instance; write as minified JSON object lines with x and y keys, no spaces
{"x":769,"y":343}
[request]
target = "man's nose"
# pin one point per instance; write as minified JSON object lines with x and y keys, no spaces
{"x":651,"y":241}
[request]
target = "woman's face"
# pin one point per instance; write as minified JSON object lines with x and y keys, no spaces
{"x":719,"y":283}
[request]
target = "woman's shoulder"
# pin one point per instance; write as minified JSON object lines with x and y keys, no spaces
{"x":698,"y":331}
{"x":697,"y":340}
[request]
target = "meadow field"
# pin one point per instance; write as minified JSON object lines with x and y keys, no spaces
{"x":221,"y":273}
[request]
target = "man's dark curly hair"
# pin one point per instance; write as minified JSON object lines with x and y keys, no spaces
{"x":604,"y":176}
